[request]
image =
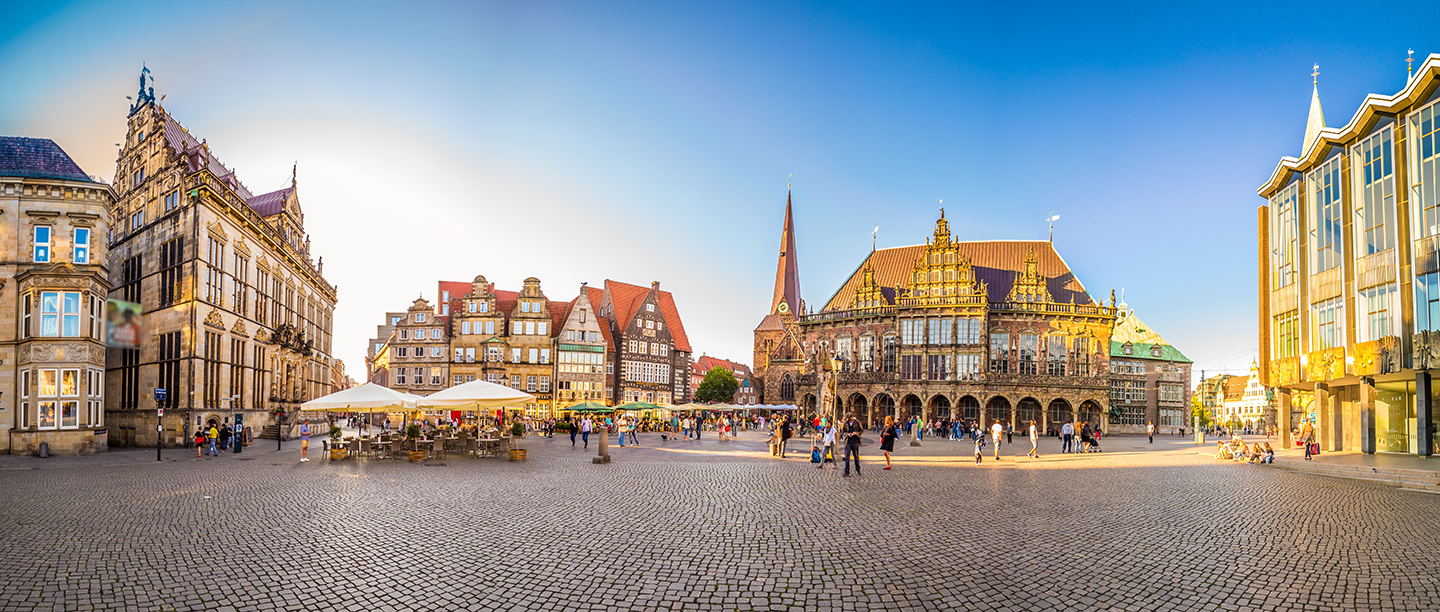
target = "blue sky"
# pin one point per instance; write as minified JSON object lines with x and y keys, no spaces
{"x":642,"y":142}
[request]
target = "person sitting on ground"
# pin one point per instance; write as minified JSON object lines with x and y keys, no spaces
{"x":1268,"y":455}
{"x":1222,"y":450}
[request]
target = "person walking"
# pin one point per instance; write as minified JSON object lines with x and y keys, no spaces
{"x":574,"y":430}
{"x":1307,"y":437}
{"x":1034,"y":441}
{"x":1067,"y":438}
{"x":634,"y":426}
{"x":996,"y":431}
{"x":304,"y":440}
{"x":785,"y":433}
{"x":827,"y":446}
{"x":852,"y":431}
{"x":214,"y":436}
{"x":224,"y":437}
{"x":1087,"y":436}
{"x":585,"y":426}
{"x":1150,"y":430}
{"x":887,"y":439}
{"x":620,"y":425}
{"x":199,"y":443}
{"x":1009,"y":433}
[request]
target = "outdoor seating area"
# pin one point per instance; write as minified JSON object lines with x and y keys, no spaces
{"x":438,"y":444}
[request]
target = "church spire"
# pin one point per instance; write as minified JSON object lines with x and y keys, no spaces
{"x":787,"y":270}
{"x":1316,"y":122}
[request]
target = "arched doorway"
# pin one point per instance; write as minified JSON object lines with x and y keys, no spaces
{"x":969,"y":408}
{"x":940,"y":408}
{"x":884,"y":405}
{"x":807,"y":403}
{"x":857,"y":406}
{"x":910,"y":408}
{"x":1029,"y":410}
{"x":997,"y":411}
{"x":1058,"y":414}
{"x":1090,"y":413}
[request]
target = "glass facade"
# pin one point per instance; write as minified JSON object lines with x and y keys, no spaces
{"x":1394,"y":416}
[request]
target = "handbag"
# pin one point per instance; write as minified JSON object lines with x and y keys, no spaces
{"x":1315,"y":448}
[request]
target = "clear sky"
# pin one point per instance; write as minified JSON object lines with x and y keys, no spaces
{"x":643,"y":142}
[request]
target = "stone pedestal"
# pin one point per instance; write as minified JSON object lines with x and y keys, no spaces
{"x":604,"y":456}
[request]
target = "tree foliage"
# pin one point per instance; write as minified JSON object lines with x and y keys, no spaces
{"x":1197,"y":409}
{"x":718,"y":386}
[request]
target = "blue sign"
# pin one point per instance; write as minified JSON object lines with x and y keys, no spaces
{"x":159,"y":395}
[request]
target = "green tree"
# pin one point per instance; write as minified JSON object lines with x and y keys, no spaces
{"x":718,"y":386}
{"x":1198,"y":409}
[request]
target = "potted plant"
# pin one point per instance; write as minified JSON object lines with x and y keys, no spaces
{"x":517,"y":431}
{"x":337,"y":452}
{"x":412,"y":433}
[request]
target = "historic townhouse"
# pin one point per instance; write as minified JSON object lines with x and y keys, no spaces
{"x":651,"y":351}
{"x":985,"y":331}
{"x":1149,"y":378}
{"x":1350,"y":274}
{"x":419,"y":352}
{"x":237,"y":316}
{"x":580,"y":345}
{"x":382,"y":335}
{"x":530,"y":366}
{"x":53,"y":282}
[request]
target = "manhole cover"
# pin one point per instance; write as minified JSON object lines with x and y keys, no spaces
{"x":434,"y":464}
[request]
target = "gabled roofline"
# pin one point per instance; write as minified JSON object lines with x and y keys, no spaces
{"x":1374,"y":104}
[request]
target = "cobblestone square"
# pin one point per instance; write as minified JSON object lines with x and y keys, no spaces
{"x":711,"y":526}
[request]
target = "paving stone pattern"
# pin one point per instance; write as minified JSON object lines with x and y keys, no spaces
{"x":711,"y":526}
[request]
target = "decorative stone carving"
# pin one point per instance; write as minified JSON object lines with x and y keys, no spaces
{"x":1427,"y":350}
{"x":1389,"y":357}
{"x":215,"y":320}
{"x":1284,"y":371}
{"x":239,"y":327}
{"x":261,"y":336}
{"x":1325,"y":365}
{"x":1367,"y":358}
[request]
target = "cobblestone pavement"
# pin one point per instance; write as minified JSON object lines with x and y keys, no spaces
{"x":712,"y":526}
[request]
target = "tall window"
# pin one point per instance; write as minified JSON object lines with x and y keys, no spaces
{"x":1287,"y":338}
{"x":130,"y":279}
{"x":1080,"y":356}
{"x":1000,"y":353}
{"x":212,"y":371}
{"x":42,"y":244}
{"x":968,"y":330}
{"x":214,"y":263}
{"x":940,"y":331}
{"x":912,"y":331}
{"x":1376,"y":303}
{"x":400,"y":376}
{"x":262,"y":284}
{"x":242,"y":274}
{"x":1425,"y":169}
{"x":1029,"y":348}
{"x":787,"y":388}
{"x":82,"y":245}
{"x":1427,"y":302}
{"x":1373,"y":161}
{"x":172,"y":200}
{"x":866,"y":354}
{"x":1055,"y":357}
{"x":168,"y":357}
{"x":1325,"y":222}
{"x":171,"y":271}
{"x":890,"y":347}
{"x":1328,"y":318}
{"x":967,"y":367}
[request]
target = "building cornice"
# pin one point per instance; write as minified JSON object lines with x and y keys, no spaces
{"x":1374,"y":106}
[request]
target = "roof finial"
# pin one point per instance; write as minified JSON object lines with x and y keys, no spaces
{"x":942,"y":208}
{"x":1053,"y":218}
{"x":790,"y":181}
{"x":1409,"y":64}
{"x":873,"y":233}
{"x":1315,"y":76}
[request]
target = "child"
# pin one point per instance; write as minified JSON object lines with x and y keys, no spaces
{"x":979,"y":449}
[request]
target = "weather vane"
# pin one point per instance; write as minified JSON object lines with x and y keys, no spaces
{"x":1315,"y":76}
{"x":942,"y":209}
{"x":873,"y":233}
{"x":1053,"y":218}
{"x":1409,"y":64}
{"x":789,"y":182}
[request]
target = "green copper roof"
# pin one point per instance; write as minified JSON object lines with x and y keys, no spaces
{"x":1141,"y":350}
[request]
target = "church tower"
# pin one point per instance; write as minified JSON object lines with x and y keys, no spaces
{"x":776,"y":338}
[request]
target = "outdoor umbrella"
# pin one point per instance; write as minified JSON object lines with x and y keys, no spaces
{"x":368,"y":397}
{"x":591,"y":408}
{"x":475,"y":394}
{"x":637,"y":406}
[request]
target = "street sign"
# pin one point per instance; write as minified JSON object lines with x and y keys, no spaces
{"x":159,"y":395}
{"x":160,"y":412}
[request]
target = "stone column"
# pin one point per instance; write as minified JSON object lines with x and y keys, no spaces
{"x":1323,"y":406}
{"x":1335,"y":433}
{"x":1367,"y":418}
{"x":1282,"y":416}
{"x":1423,"y":440}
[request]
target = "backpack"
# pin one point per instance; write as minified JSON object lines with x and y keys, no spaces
{"x":814,"y":455}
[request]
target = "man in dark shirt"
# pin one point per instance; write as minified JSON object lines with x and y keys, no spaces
{"x":851,"y":432}
{"x":785,"y":433}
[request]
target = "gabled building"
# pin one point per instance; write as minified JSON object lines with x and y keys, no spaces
{"x":651,"y":355}
{"x":419,"y":352}
{"x":237,"y":314}
{"x":996,"y":330}
{"x":745,"y":391}
{"x":54,"y":278}
{"x":1149,"y":378}
{"x":580,"y":348}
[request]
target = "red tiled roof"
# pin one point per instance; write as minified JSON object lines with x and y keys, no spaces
{"x":272,"y":203}
{"x":457,"y":291}
{"x":627,"y":299}
{"x":595,"y":295}
{"x":708,"y":363}
{"x":559,"y":311}
{"x":996,"y":262}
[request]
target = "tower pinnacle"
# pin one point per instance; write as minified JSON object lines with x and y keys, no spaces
{"x":787,"y":269}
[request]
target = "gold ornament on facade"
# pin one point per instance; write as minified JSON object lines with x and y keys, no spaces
{"x":1389,"y":355}
{"x":1367,"y":358}
{"x":1325,"y":365}
{"x":1284,"y":371}
{"x":215,"y":320}
{"x":1030,"y":283}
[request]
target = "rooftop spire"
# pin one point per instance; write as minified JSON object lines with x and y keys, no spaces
{"x":1316,"y":122}
{"x":1409,"y":65}
{"x":787,"y":269}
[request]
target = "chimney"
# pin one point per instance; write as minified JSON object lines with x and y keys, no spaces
{"x":655,"y":285}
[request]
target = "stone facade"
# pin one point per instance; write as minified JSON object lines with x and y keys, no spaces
{"x":419,"y":352}
{"x":579,"y":355}
{"x":53,"y":285}
{"x":983,"y":331}
{"x":237,"y":316}
{"x":1149,"y":378}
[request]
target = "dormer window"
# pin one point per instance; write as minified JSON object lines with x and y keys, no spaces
{"x":524,"y":306}
{"x":484,"y":306}
{"x":419,"y":317}
{"x":1129,"y":349}
{"x":1155,"y":351}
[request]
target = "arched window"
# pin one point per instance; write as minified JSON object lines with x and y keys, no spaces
{"x":787,"y":388}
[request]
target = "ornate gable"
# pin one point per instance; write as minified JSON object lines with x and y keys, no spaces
{"x":1030,"y":283}
{"x":869,"y":294}
{"x":215,"y":320}
{"x":239,"y":328}
{"x":942,"y":274}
